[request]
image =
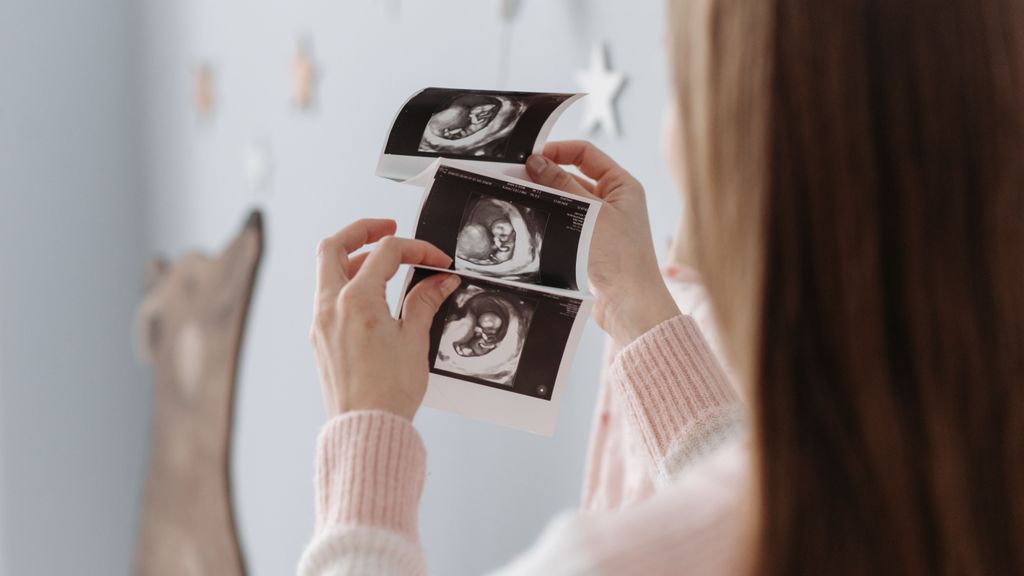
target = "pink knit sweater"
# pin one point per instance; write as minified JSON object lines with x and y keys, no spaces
{"x":665,"y":488}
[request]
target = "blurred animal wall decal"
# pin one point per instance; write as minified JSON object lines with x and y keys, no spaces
{"x":191,"y":324}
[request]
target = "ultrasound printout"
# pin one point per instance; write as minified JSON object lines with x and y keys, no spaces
{"x":493,"y":338}
{"x":509,"y":229}
{"x":502,"y":344}
{"x":495,"y":128}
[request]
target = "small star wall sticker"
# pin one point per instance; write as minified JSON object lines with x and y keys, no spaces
{"x":304,"y":76}
{"x":603,"y":86}
{"x":202,"y":90}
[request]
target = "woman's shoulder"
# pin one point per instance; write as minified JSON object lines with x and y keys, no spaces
{"x":698,"y":522}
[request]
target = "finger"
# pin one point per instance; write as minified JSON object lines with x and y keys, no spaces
{"x":591,"y":161}
{"x":587,"y":184}
{"x":547,"y":173}
{"x":392,"y":252}
{"x":425,"y":299}
{"x":355,"y":263}
{"x":332,"y":252}
{"x":359,"y":234}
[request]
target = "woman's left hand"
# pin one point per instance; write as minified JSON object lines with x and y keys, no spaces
{"x":367,"y":359}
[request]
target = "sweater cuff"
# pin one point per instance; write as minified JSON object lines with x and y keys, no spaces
{"x":676,"y":394}
{"x":369,"y":472}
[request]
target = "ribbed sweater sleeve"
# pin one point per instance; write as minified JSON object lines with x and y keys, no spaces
{"x":369,"y":479}
{"x":371,"y":467}
{"x":676,"y":396}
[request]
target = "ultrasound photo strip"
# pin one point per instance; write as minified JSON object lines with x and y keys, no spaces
{"x":501,"y":351}
{"x":497,"y":129}
{"x":500,"y":227}
{"x":502,"y":344}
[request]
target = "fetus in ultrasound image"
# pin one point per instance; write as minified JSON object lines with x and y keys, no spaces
{"x":500,"y":239}
{"x":484,"y":332}
{"x":473,"y":125}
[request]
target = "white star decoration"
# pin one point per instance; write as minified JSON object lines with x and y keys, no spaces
{"x":257,"y":166}
{"x":602,"y":85}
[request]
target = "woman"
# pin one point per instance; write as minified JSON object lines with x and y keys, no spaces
{"x":856,"y":202}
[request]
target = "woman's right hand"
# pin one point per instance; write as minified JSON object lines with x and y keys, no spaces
{"x":623,"y":270}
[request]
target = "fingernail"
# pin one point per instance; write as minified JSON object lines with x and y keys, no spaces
{"x":536,"y":163}
{"x":450,"y":284}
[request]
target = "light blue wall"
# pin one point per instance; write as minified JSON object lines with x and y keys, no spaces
{"x":102,"y":161}
{"x":74,"y":403}
{"x":489,"y":490}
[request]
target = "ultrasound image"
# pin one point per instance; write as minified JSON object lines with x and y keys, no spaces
{"x":484,"y":332}
{"x":500,"y":239}
{"x":473,"y":125}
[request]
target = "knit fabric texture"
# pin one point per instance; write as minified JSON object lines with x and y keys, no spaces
{"x":665,"y":482}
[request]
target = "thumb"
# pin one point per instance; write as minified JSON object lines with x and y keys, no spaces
{"x":547,"y":173}
{"x":425,"y":299}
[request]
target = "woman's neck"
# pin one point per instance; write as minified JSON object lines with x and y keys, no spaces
{"x":680,"y":250}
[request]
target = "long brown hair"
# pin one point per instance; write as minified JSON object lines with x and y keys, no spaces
{"x":856,"y":187}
